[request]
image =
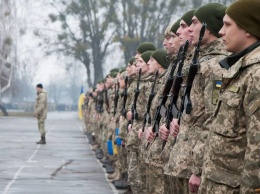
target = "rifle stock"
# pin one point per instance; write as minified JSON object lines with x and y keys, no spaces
{"x":123,"y":111}
{"x":147,"y":117}
{"x":106,"y":98}
{"x":185,"y":100}
{"x":166,"y":90}
{"x":175,"y":90}
{"x":133,"y":107}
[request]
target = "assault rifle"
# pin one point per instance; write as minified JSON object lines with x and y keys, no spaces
{"x":186,"y":102}
{"x":123,"y":111}
{"x":147,"y":116}
{"x":160,"y":110}
{"x":175,"y":90}
{"x":106,"y":98}
{"x":116,"y":97}
{"x":133,"y":107}
{"x":137,"y":92}
{"x":100,"y":101}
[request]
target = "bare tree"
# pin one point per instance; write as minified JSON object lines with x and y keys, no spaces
{"x":140,"y":21}
{"x":84,"y":33}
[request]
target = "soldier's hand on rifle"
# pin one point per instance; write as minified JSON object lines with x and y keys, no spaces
{"x":164,"y":132}
{"x":140,"y":133}
{"x":194,"y":183}
{"x":130,"y":127}
{"x":129,"y":115}
{"x":150,"y":135}
{"x":174,"y":127}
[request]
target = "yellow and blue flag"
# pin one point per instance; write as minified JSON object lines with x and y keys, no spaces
{"x":81,"y":102}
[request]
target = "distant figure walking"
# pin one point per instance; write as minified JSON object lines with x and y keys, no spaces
{"x":40,"y":111}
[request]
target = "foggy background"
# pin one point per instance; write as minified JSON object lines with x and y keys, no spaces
{"x":67,"y":44}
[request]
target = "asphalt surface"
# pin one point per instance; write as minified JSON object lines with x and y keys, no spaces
{"x":65,"y":165}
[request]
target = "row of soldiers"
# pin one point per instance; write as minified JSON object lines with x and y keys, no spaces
{"x":186,"y":118}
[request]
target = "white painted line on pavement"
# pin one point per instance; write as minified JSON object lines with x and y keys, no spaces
{"x":14,"y":179}
{"x":34,"y":153}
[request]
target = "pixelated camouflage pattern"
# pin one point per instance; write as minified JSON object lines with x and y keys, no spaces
{"x":210,"y":187}
{"x":155,"y":180}
{"x":133,"y":176}
{"x":123,"y":121}
{"x":132,"y":138}
{"x":41,"y":105}
{"x":234,"y":138}
{"x":181,"y":161}
{"x":143,"y":142}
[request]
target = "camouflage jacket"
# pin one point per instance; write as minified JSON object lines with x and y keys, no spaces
{"x":158,"y":83}
{"x":132,"y":138}
{"x":234,"y":139}
{"x":123,"y":121}
{"x":156,"y":155}
{"x":202,"y":95}
{"x":41,"y":106}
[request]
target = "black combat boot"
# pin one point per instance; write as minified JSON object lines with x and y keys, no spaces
{"x":42,"y":141}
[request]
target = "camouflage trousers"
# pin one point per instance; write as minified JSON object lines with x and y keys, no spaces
{"x":155,"y":180}
{"x":41,"y":126}
{"x":175,"y":185}
{"x":122,"y":158}
{"x":133,"y":174}
{"x":208,"y":186}
{"x":142,"y":170}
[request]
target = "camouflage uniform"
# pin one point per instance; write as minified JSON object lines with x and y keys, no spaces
{"x":232,"y":161}
{"x":40,"y":110}
{"x":203,"y":97}
{"x":133,"y":140}
{"x":119,"y":162}
{"x":123,"y":127}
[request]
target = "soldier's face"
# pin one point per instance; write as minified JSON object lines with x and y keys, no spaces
{"x":137,"y":55}
{"x":141,"y":65}
{"x":153,"y":66}
{"x":183,"y":32}
{"x":128,"y":69}
{"x":109,"y":81}
{"x":194,"y":30}
{"x":38,"y":89}
{"x":121,"y":82}
{"x":166,"y":44}
{"x":133,"y":69}
{"x":175,"y":43}
{"x":233,"y":36}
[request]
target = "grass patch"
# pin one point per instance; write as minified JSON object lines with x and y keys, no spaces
{"x":19,"y":114}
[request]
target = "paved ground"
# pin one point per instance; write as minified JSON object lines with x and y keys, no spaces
{"x":65,"y":165}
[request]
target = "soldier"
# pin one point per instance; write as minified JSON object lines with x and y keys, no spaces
{"x":158,"y":62}
{"x":154,"y":179}
{"x":232,"y":162}
{"x":132,"y":139}
{"x":121,"y":177}
{"x":203,"y":94}
{"x":155,"y":155}
{"x":40,"y":111}
{"x":131,"y":69}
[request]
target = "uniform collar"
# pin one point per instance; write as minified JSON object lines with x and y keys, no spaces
{"x":232,"y":59}
{"x":242,"y":60}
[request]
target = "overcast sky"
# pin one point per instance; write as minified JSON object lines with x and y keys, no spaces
{"x":32,"y":15}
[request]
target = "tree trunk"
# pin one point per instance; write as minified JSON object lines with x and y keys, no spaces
{"x":86,"y":62}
